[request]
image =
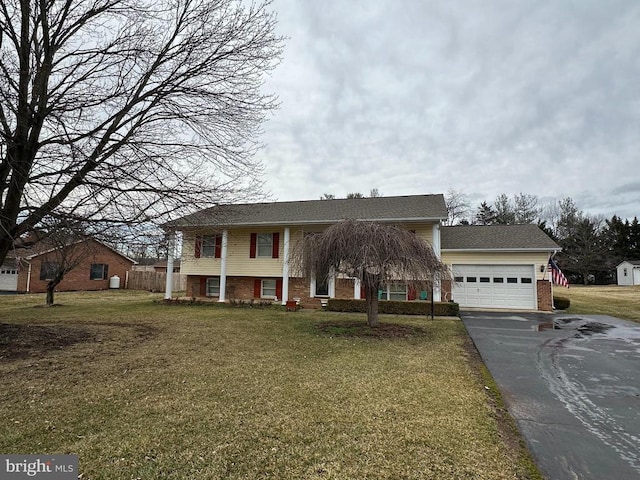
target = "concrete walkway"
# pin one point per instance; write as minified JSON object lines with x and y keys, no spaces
{"x":574,"y":390}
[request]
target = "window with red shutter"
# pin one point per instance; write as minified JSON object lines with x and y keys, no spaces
{"x":198,"y":247}
{"x":253,"y":246}
{"x":275,"y":249}
{"x":218,"y":246}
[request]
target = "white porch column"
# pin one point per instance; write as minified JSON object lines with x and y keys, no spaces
{"x":285,"y":267}
{"x":223,"y":266}
{"x":171,"y":245}
{"x":437,"y":293}
{"x":356,"y":288}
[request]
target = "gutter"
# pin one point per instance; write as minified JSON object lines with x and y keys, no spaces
{"x":307,"y":222}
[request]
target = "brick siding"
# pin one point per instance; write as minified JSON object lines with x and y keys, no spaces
{"x":79,"y":278}
{"x":545,"y":297}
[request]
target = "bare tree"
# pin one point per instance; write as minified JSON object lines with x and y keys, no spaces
{"x":458,"y":207}
{"x":372,"y":252}
{"x":62,"y":246}
{"x":129,"y":110}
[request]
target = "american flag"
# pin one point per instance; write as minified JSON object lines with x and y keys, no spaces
{"x":557,"y":276}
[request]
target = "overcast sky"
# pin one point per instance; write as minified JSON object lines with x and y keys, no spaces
{"x":485,"y":97}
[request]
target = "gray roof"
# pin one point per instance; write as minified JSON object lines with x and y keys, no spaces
{"x":632,"y":262}
{"x":494,"y":237}
{"x":411,"y":208}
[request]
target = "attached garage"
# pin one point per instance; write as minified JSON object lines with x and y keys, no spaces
{"x":8,"y":278}
{"x":494,"y":286}
{"x":499,"y":266}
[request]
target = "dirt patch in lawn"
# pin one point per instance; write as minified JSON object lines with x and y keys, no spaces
{"x":25,"y":341}
{"x":363,"y":330}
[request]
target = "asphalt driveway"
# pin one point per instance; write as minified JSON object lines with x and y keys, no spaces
{"x":574,"y":390}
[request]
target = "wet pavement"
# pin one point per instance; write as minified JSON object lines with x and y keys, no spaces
{"x":572,"y":382}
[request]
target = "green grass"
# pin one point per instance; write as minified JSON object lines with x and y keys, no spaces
{"x":146,"y":390}
{"x":621,"y":302}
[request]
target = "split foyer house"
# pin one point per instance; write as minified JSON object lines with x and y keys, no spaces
{"x":241,"y":252}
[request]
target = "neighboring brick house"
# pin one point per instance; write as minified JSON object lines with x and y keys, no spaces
{"x":241,"y":252}
{"x":96,"y":265}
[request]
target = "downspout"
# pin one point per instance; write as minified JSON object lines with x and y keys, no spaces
{"x":29,"y":278}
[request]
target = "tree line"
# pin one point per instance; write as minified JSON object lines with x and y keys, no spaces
{"x":592,"y":245}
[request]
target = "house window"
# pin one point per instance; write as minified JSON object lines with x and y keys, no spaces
{"x":48,"y":270}
{"x":625,"y":272}
{"x":268,"y":289}
{"x":209,"y":243}
{"x":264,"y":245}
{"x":213,"y":287}
{"x":394,"y":291}
{"x":99,"y":271}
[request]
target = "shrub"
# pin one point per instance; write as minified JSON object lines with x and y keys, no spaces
{"x":561,"y":303}
{"x":442,"y":309}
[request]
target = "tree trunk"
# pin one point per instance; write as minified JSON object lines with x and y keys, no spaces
{"x":50,"y":289}
{"x":372,"y":306}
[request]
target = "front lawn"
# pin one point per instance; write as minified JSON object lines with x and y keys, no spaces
{"x":614,"y":300}
{"x":143,"y":390}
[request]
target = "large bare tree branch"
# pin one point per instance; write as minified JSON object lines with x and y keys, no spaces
{"x":129,"y":110}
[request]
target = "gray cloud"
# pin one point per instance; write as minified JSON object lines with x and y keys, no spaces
{"x":419,"y":96}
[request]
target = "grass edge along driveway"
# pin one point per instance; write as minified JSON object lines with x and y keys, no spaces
{"x":145,"y":390}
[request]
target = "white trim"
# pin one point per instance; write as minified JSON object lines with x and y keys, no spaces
{"x":285,"y":267}
{"x":223,"y":266}
{"x":436,"y":240}
{"x":171,"y":246}
{"x":356,"y":288}
{"x":331,"y":287}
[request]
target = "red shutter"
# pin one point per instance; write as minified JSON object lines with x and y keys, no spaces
{"x":257,"y":288}
{"x":411,"y":293}
{"x":218,"y":249}
{"x":276,"y":246}
{"x":363,"y":292}
{"x":203,"y":286}
{"x":279,"y":288}
{"x":252,"y":247}
{"x":198,"y":248}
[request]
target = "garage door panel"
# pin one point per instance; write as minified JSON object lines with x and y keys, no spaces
{"x":495,"y":286}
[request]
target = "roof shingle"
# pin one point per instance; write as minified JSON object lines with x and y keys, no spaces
{"x":491,"y":237}
{"x":401,"y":208}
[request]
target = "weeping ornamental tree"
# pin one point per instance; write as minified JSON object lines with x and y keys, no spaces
{"x":129,"y":111}
{"x":374,"y":253}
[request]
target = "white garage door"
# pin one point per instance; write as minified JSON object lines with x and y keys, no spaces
{"x":8,"y":279}
{"x":494,"y":286}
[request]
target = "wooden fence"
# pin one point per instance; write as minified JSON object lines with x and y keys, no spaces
{"x":154,"y":281}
